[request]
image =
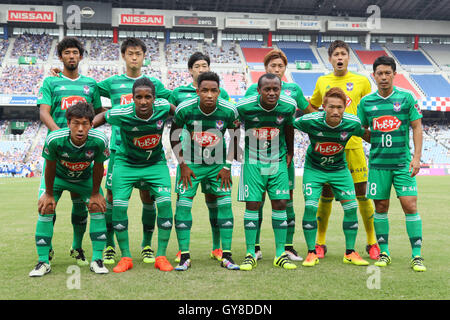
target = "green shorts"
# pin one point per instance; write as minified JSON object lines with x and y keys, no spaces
{"x":81,"y":187}
{"x":256,"y":179}
{"x":109,"y":174}
{"x":340,"y":181}
{"x":126,"y":176}
{"x":380,"y":182}
{"x":206,"y":175}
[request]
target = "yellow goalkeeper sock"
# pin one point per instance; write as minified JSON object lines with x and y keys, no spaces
{"x":323,"y":214}
{"x":367,"y":210}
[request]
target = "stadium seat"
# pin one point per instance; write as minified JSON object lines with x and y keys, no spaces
{"x":256,"y":74}
{"x":433,"y":85}
{"x":411,"y":58}
{"x":306,"y":81}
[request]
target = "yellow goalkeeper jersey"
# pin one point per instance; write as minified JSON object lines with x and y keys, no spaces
{"x":355,"y":87}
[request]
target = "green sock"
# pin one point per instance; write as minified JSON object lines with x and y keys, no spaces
{"x":183,"y":223}
{"x":290,"y":223}
{"x":309,"y":223}
{"x":120,"y":225}
{"x":109,"y":226}
{"x":97,"y":232}
{"x":44,"y":235}
{"x":381,"y":224}
{"x":148,"y":223}
{"x":164,"y":222}
{"x":414,"y":229}
{"x":213,"y":212}
{"x":250,"y":228}
{"x":350,"y":223}
{"x":279,"y":226}
{"x":225,"y":221}
{"x":79,"y":222}
{"x":260,"y":219}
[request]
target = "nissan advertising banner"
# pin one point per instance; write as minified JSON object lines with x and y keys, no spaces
{"x":141,"y":19}
{"x":32,"y":16}
{"x":182,"y":21}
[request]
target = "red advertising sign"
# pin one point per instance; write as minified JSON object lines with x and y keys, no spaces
{"x":31,"y":16}
{"x":142,"y":19}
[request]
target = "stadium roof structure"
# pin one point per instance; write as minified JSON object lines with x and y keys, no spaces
{"x":404,"y":9}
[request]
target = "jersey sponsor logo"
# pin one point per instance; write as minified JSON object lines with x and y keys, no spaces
{"x":147,"y":142}
{"x":126,"y":99}
{"x":75,"y":166}
{"x":386,"y":123}
{"x":397,"y":107}
{"x":328,"y":148}
{"x":349,"y":101}
{"x":266,"y":133}
{"x":67,"y":102}
{"x":205,"y":138}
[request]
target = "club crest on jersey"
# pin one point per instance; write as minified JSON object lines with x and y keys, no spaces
{"x":126,"y":99}
{"x":219,"y":124}
{"x":344,"y":135}
{"x":89,"y":154}
{"x":86,"y":89}
{"x":349,"y":86}
{"x":159,"y":124}
{"x":280,"y":119}
{"x":67,"y":102}
{"x":397,"y":107}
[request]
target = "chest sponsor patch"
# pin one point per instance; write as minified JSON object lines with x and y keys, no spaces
{"x":266,"y":133}
{"x":75,"y":166}
{"x":205,"y":138}
{"x":328,"y":148}
{"x":386,"y":123}
{"x":126,"y":99}
{"x":67,"y":102}
{"x":147,"y":142}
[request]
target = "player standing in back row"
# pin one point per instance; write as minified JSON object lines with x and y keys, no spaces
{"x":56,"y":95}
{"x":389,"y":113}
{"x":355,"y":87}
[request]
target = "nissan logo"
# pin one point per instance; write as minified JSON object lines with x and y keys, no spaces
{"x":87,"y":12}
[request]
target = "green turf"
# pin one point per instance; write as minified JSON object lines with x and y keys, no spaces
{"x":331,"y":279}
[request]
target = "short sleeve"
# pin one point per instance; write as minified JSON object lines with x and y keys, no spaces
{"x":96,"y":102}
{"x":361,"y":114}
{"x":316,"y":98}
{"x":161,"y":91}
{"x":301,"y":124}
{"x":104,"y":88}
{"x":45,"y":93}
{"x":49,"y":149}
{"x":414,"y":110}
{"x":302,"y":103}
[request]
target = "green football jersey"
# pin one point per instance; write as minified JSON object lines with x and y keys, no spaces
{"x":389,"y":121}
{"x":141,"y":139}
{"x":118,"y":89}
{"x":61,"y":92}
{"x":74,"y":163}
{"x":206,"y":131}
{"x":292,"y":90}
{"x":183,"y":93}
{"x":326,"y":149}
{"x":265,"y":140}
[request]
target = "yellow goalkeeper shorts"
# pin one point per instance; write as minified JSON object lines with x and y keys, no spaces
{"x":357,"y":165}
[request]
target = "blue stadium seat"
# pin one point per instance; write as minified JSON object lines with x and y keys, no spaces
{"x":433,"y":85}
{"x":306,"y":81}
{"x":300,"y":54}
{"x":415,"y":58}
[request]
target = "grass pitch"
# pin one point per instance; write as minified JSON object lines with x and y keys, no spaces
{"x":206,"y":280}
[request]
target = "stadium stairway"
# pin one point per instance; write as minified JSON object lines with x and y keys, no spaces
{"x":9,"y":50}
{"x":36,"y":139}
